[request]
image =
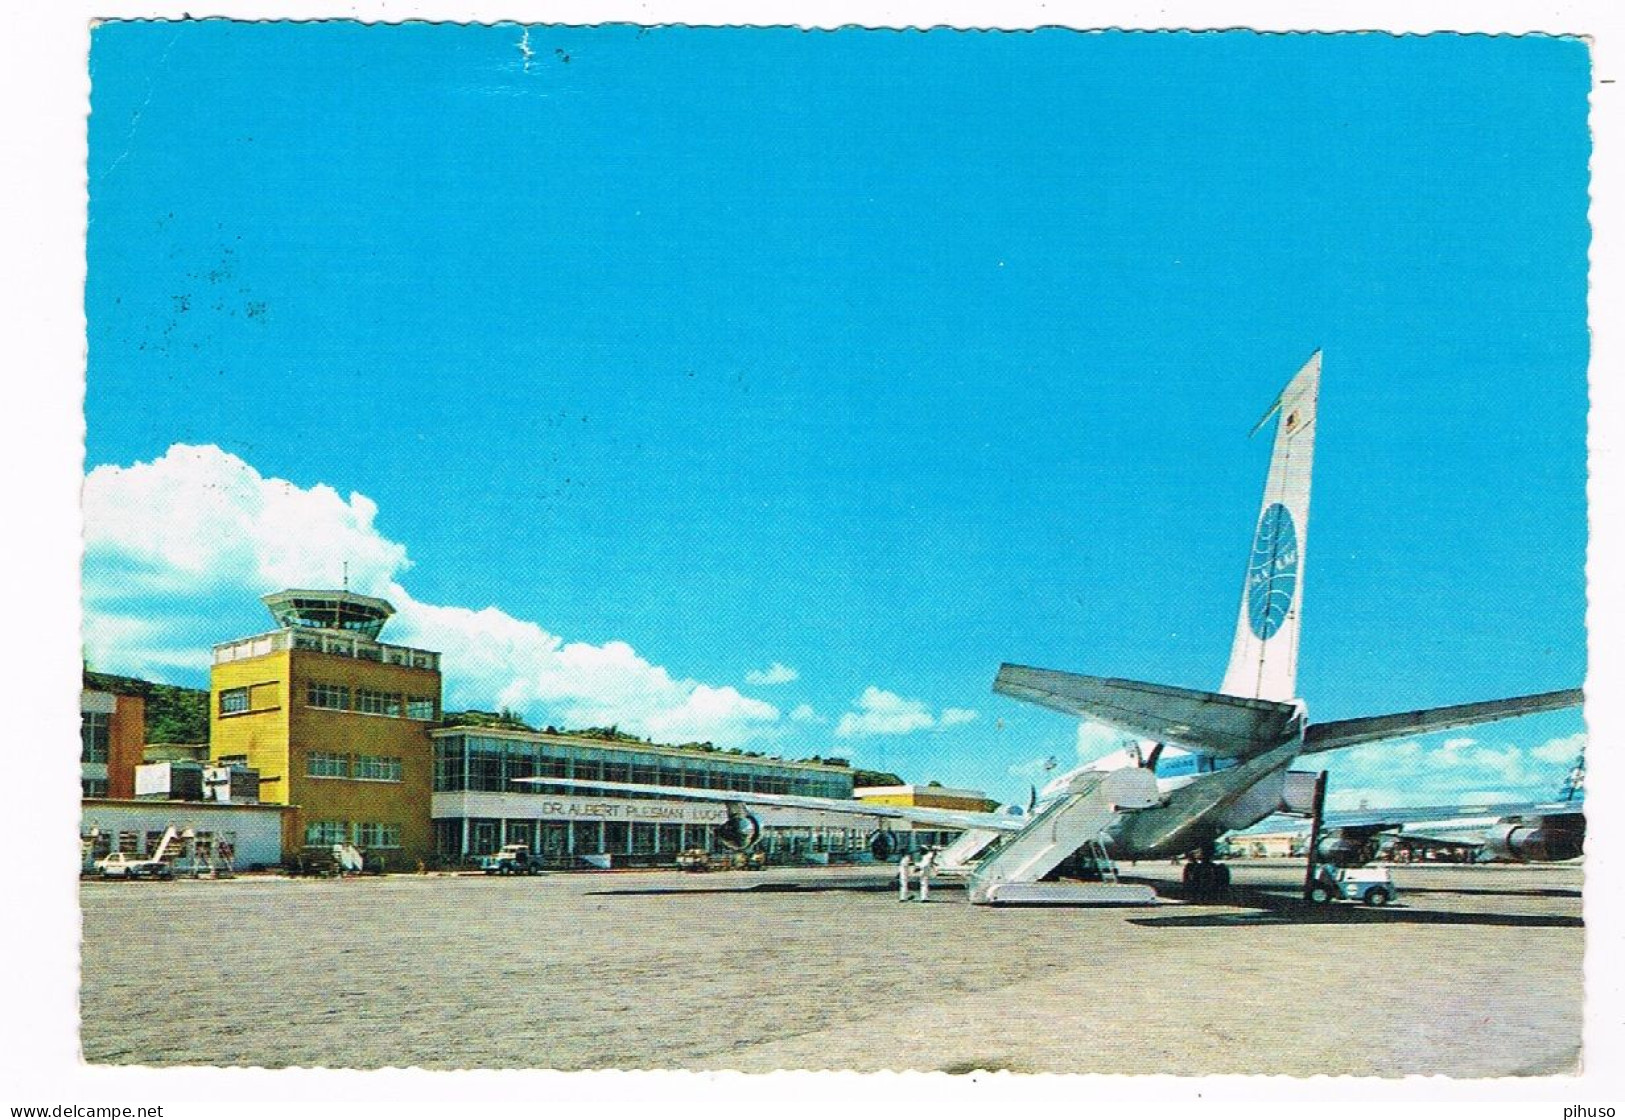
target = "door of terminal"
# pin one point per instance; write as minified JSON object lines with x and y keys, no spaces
{"x":483,"y":840}
{"x":555,"y":838}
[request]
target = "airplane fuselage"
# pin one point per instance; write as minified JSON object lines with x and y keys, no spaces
{"x":1197,"y":807}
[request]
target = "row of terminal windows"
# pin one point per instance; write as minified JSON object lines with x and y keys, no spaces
{"x":369,"y":767}
{"x":337,"y":697}
{"x":486,"y":764}
{"x":557,"y":841}
{"x":363,"y":834}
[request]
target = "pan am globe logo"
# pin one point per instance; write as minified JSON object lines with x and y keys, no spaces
{"x":1272,"y":572}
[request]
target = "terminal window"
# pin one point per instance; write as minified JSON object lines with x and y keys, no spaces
{"x":325,"y":764}
{"x":319,"y":694}
{"x":233,"y":700}
{"x":371,"y":834}
{"x":377,"y":703}
{"x":377,"y":768}
{"x":93,"y":737}
{"x":326,"y":832}
{"x":420,"y":707}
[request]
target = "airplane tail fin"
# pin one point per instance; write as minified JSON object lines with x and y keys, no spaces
{"x":1264,"y":656}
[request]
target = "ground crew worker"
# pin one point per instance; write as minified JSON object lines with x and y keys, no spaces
{"x":905,"y":867}
{"x":928,"y":864}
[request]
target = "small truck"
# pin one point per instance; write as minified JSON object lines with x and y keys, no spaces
{"x":513,"y":859}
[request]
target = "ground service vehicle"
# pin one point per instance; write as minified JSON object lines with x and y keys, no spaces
{"x":513,"y":859}
{"x":1373,"y":886}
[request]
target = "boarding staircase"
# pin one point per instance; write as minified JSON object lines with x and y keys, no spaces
{"x":1013,"y":872}
{"x":212,"y":860}
{"x":958,"y":860}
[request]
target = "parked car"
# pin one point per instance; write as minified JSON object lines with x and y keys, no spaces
{"x":123,"y":865}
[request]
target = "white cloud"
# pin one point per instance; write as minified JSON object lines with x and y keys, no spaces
{"x":804,"y":713}
{"x":1459,"y":770}
{"x":885,"y":713}
{"x":776,"y":673}
{"x":1564,"y":750}
{"x":1095,"y":740}
{"x":199,"y":517}
{"x":167,"y":540}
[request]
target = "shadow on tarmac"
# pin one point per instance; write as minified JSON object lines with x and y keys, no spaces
{"x":767,"y":888}
{"x":1272,"y":908}
{"x":1535,"y":892}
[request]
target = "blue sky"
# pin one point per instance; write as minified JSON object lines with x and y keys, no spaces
{"x":633,"y":364}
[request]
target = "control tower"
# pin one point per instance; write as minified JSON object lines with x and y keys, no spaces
{"x":329,"y":610}
{"x":336,"y":722}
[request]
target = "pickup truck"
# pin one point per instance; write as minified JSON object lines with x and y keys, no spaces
{"x":123,"y":865}
{"x":513,"y":859}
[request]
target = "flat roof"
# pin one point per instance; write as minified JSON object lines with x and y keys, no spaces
{"x":935,"y":791}
{"x":179,"y":806}
{"x":587,"y":742}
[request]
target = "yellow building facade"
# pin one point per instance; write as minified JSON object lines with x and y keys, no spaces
{"x":927,"y":797}
{"x":336,"y":722}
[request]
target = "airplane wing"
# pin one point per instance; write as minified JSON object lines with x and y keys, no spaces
{"x":1464,"y":815}
{"x":1468,"y":826}
{"x":940,"y":818}
{"x":1208,"y":722}
{"x":1367,"y":729}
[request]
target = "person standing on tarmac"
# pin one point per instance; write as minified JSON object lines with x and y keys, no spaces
{"x":928,"y":864}
{"x":905,"y":867}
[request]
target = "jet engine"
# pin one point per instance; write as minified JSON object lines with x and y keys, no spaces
{"x":1347,"y":847}
{"x":1537,"y":839}
{"x":884,"y":844}
{"x":741,"y":831}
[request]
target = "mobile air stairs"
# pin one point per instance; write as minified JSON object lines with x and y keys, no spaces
{"x":1012,"y":874}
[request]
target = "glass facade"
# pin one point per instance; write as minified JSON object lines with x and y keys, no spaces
{"x":490,"y":764}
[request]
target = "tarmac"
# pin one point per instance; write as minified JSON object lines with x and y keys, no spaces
{"x":1472,"y":972}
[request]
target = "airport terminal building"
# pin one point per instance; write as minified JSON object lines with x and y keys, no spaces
{"x":479,"y":805}
{"x":346,"y":732}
